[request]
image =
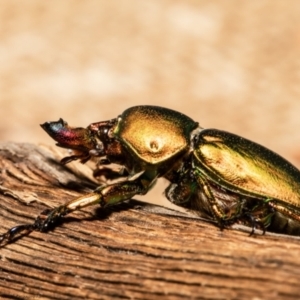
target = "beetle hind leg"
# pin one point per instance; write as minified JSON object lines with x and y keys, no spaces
{"x":288,"y":211}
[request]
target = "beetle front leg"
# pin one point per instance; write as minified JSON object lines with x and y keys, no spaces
{"x":104,"y":195}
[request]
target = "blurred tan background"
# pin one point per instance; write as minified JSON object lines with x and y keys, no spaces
{"x":232,"y":65}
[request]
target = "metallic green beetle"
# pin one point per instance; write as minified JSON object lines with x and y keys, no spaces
{"x":222,"y":175}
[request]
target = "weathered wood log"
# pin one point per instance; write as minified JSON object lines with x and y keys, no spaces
{"x":126,"y":252}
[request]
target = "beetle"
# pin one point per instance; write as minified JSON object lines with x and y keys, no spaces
{"x":225,"y":176}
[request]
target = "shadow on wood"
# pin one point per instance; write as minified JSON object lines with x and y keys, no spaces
{"x":126,"y":251}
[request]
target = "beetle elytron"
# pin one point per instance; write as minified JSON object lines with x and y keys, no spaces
{"x":229,"y":178}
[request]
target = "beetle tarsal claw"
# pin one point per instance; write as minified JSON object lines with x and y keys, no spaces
{"x":213,"y":172}
{"x":15,"y":232}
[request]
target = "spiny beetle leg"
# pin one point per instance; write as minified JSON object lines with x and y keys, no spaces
{"x":105,"y":195}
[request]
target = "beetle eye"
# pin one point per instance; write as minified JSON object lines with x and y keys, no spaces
{"x":98,"y":151}
{"x":110,"y":134}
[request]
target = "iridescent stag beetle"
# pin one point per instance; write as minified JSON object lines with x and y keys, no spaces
{"x":225,"y":176}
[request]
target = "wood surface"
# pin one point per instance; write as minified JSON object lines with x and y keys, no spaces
{"x":126,"y":252}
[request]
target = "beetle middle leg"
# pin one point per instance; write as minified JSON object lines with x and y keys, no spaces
{"x":189,"y":189}
{"x":225,"y":207}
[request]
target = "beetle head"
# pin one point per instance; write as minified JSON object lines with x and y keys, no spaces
{"x":85,"y":142}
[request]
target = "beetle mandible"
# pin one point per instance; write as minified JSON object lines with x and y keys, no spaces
{"x":225,"y":176}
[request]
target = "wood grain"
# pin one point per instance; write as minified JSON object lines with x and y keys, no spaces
{"x":126,"y":252}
